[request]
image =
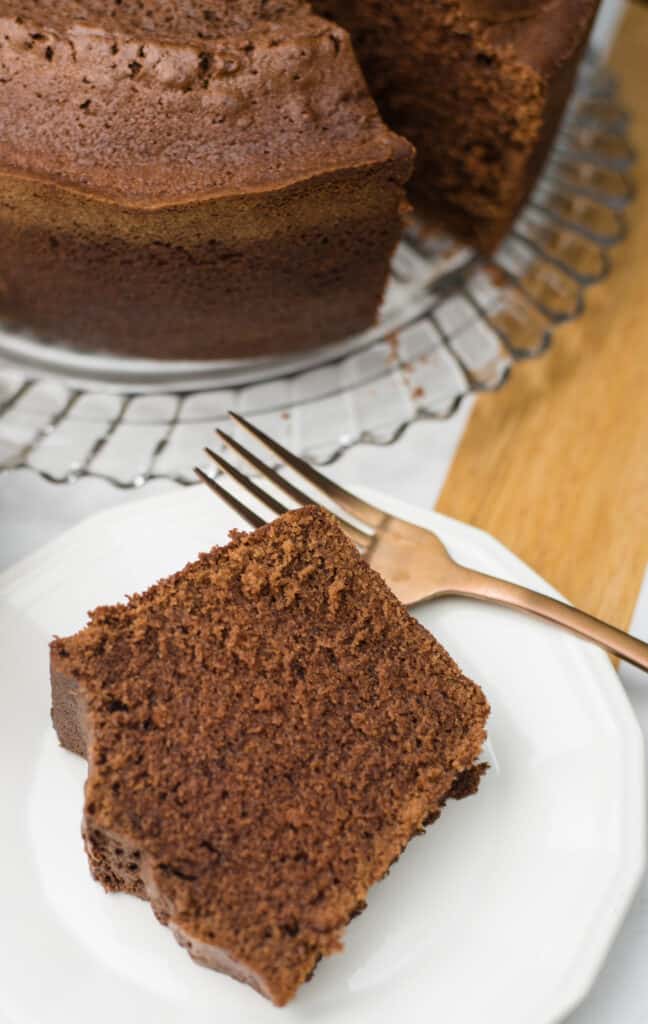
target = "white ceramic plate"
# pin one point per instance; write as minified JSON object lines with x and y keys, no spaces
{"x":503,"y":912}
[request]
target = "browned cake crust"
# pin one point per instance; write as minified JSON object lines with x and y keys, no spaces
{"x":265,"y":732}
{"x":182,"y":182}
{"x":479,"y":87}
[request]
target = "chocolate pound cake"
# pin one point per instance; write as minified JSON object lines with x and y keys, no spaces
{"x":479,"y":87}
{"x":265,"y":731}
{"x":186,"y":180}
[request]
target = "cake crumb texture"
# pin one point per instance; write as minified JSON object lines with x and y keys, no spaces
{"x":479,"y":88}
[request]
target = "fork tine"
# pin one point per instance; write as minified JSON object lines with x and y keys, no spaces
{"x":261,"y":467}
{"x":363,"y":511}
{"x":358,"y":536}
{"x":250,"y":517}
{"x":249,"y":485}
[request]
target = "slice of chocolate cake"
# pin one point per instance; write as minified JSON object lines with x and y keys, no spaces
{"x":265,"y":731}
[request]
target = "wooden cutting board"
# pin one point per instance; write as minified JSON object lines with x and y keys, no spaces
{"x":556,"y":464}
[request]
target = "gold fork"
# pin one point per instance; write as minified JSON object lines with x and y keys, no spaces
{"x":411,"y":559}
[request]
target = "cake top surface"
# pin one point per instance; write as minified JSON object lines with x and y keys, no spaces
{"x":145,"y":107}
{"x":188,"y":20}
{"x":261,"y":725}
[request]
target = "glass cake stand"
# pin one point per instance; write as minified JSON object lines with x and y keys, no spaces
{"x":451,"y":324}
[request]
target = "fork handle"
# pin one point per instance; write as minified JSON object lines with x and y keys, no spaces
{"x":468,"y":583}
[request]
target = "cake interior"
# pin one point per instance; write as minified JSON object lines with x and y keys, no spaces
{"x":479,"y":87}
